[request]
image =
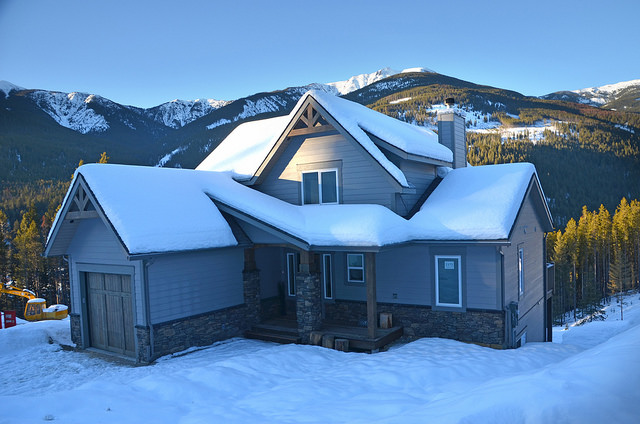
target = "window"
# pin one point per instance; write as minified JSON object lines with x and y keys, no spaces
{"x":327,"y":276}
{"x":355,"y":267}
{"x":521,"y":270}
{"x":320,"y":187}
{"x":291,"y":274}
{"x":448,"y":281}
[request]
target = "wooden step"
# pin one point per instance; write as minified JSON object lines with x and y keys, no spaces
{"x":276,"y":329}
{"x":269,"y":336}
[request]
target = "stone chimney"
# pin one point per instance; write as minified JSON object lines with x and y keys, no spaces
{"x":452,"y":133}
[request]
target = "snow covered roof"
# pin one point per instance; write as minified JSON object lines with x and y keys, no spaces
{"x":157,"y":209}
{"x":475,"y":203}
{"x":246,"y":147}
{"x":471,"y":204}
{"x":164,"y":210}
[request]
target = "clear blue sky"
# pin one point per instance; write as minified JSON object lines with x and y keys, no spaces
{"x":144,"y":53}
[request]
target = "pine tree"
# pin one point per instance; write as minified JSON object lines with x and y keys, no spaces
{"x":28,"y":250}
{"x":104,"y":158}
{"x":619,"y":278}
{"x":4,"y":248}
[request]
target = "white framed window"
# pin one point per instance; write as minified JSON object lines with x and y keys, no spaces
{"x":291,"y":273}
{"x":448,"y":280}
{"x":327,"y":276}
{"x":521,"y":270}
{"x":320,"y":187}
{"x":355,"y":267}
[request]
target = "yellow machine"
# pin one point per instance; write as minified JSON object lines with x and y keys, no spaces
{"x":36,"y":310}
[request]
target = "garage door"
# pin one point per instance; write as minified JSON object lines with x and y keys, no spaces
{"x":110,"y":312}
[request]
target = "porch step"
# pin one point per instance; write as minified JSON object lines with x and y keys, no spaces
{"x":273,"y":333}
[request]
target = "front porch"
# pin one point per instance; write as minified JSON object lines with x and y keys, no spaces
{"x":307,"y":289}
{"x":285,"y":330}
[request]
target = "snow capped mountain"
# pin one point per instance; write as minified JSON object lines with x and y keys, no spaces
{"x":606,"y":93}
{"x":359,"y":81}
{"x":6,"y":87}
{"x":87,"y":113}
{"x":72,"y":110}
{"x":622,"y":96}
{"x":178,"y":113}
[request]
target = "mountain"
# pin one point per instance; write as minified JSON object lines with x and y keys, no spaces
{"x":178,"y":113}
{"x":360,"y":81}
{"x":622,"y":96}
{"x":585,"y":155}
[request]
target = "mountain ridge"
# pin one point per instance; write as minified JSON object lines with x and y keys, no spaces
{"x":502,"y":125}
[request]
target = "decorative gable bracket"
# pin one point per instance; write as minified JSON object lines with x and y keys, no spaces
{"x":310,"y":121}
{"x":81,"y":206}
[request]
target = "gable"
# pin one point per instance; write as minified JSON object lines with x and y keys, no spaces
{"x":250,"y":148}
{"x":78,"y":207}
{"x":534,"y":210}
{"x":312,"y":120}
{"x":150,"y":210}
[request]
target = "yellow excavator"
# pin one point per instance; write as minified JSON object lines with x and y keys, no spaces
{"x":36,"y":308}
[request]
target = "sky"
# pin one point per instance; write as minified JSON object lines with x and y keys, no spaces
{"x":147,"y":52}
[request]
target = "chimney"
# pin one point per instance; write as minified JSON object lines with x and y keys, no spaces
{"x":452,"y":133}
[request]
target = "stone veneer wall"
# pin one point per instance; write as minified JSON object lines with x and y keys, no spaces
{"x":308,"y":304}
{"x":76,"y":329}
{"x":203,"y":329}
{"x":477,"y":326}
{"x":200,"y":330}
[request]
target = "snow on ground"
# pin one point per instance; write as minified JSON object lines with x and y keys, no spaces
{"x":533,"y":133}
{"x":591,"y":377}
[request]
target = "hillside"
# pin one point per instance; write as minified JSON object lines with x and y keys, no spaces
{"x":585,"y":155}
{"x":622,"y":96}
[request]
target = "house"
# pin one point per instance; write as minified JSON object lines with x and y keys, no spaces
{"x":331,"y":215}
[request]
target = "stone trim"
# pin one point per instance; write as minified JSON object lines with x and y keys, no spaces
{"x":143,"y":339}
{"x":76,"y":329}
{"x":477,"y":326}
{"x":308,"y":304}
{"x":201,"y":330}
{"x":251,"y":285}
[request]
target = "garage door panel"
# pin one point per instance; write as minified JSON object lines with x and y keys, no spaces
{"x":110,"y":312}
{"x":113,"y":282}
{"x":115,"y":331}
{"x":96,"y":320}
{"x":129,"y":337}
{"x":126,"y":284}
{"x":95,"y":280}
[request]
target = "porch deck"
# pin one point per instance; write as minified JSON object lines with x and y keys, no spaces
{"x":285,"y":330}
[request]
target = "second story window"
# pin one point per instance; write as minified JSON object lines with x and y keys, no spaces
{"x":320,"y":187}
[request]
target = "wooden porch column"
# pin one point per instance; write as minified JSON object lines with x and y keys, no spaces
{"x":372,"y":302}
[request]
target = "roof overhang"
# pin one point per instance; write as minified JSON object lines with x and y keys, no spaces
{"x":66,"y":222}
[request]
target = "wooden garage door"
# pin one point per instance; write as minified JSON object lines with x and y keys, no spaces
{"x":110,"y":312}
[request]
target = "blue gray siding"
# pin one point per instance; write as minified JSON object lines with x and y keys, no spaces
{"x":451,"y":133}
{"x":270,"y":263}
{"x":483,"y":289}
{"x":95,"y":248}
{"x":420,"y":175}
{"x":187,"y":284}
{"x":528,"y":234}
{"x":361,"y":179}
{"x":405,"y":275}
